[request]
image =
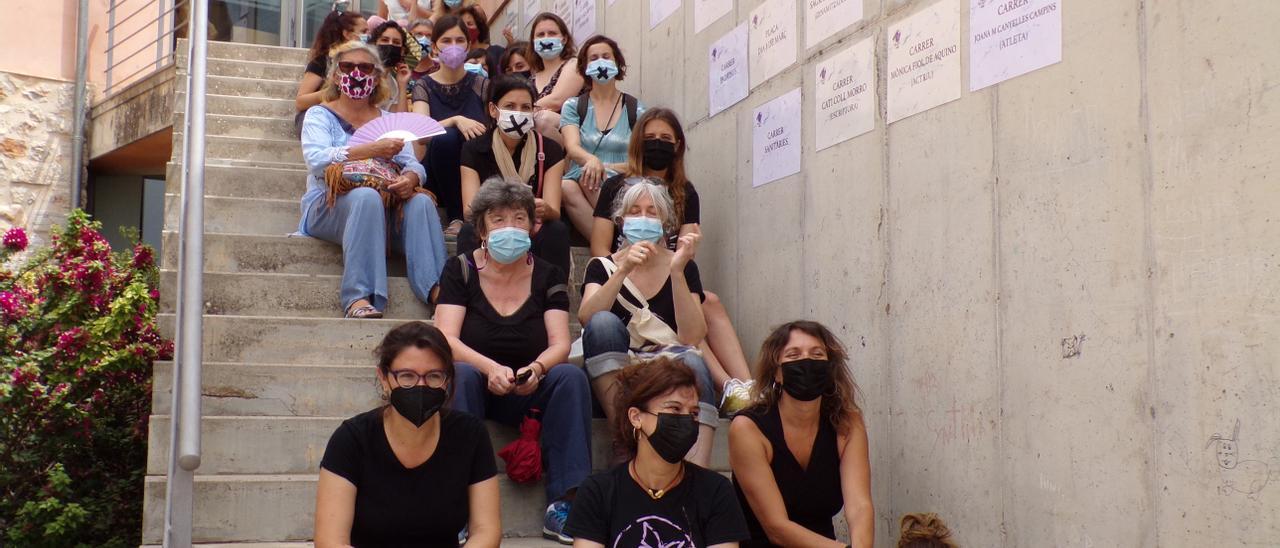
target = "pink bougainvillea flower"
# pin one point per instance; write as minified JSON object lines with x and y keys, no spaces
{"x":15,"y":239}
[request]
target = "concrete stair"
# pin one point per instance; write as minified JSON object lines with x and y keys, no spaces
{"x":282,"y":368}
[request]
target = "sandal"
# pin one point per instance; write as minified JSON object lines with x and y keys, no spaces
{"x":454,"y":227}
{"x":362,"y":312}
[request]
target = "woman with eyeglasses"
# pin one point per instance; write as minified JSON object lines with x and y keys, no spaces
{"x":800,"y":454}
{"x":366,"y":197}
{"x":656,"y":497}
{"x":412,"y":472}
{"x":506,"y":314}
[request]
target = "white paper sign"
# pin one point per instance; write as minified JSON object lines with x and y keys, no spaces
{"x":728,"y":70}
{"x":660,"y":10}
{"x":823,"y":18}
{"x":1012,"y":37}
{"x":584,"y":19}
{"x":706,"y":12}
{"x":924,"y":60}
{"x":563,"y":8}
{"x":845,"y":95}
{"x":531,"y":10}
{"x":773,"y":39}
{"x":775,"y":139}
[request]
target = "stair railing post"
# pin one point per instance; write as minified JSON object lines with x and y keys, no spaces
{"x":184,"y":450}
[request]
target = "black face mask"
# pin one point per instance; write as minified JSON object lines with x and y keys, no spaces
{"x":391,"y":54}
{"x":674,"y":436}
{"x":658,"y":154}
{"x":528,"y":75}
{"x":807,"y":380}
{"x":418,"y":404}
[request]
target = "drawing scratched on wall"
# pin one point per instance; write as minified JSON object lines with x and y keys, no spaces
{"x":1248,"y":477}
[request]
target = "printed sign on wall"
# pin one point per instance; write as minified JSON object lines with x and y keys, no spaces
{"x":773,"y":39}
{"x":531,"y":10}
{"x":728,"y":70}
{"x":706,"y":12}
{"x":775,"y":139}
{"x":584,"y":20}
{"x":1010,"y":38}
{"x":845,"y":95}
{"x":563,"y":8}
{"x":660,"y":10}
{"x":924,"y":60}
{"x":823,"y":18}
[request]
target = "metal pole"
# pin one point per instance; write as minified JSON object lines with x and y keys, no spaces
{"x":185,"y":445}
{"x":111,"y":39}
{"x":81,"y":98}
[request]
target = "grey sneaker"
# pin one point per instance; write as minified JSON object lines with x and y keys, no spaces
{"x":553,"y":523}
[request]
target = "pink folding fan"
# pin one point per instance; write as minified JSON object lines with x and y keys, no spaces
{"x":409,"y":126}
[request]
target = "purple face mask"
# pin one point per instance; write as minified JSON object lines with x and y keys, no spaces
{"x":453,"y":56}
{"x":356,"y":85}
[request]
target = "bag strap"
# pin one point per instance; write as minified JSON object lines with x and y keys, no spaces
{"x":633,"y":106}
{"x":542,"y":168}
{"x":610,"y":267}
{"x":581,"y":107}
{"x":466,"y":268}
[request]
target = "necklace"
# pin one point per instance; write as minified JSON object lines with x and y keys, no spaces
{"x":656,"y":494}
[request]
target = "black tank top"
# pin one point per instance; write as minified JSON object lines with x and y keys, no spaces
{"x":812,"y":496}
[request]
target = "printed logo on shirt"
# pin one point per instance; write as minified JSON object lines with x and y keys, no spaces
{"x":653,"y":532}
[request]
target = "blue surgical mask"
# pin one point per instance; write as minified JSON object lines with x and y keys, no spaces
{"x":508,"y":244}
{"x":476,"y":68}
{"x":364,"y":38}
{"x":453,"y":3}
{"x":548,"y":47}
{"x":602,"y":70}
{"x":426,"y":45}
{"x":642,"y":229}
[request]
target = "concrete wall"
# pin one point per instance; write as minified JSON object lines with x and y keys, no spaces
{"x":1125,"y":198}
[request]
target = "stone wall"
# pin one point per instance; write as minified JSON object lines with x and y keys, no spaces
{"x":35,"y":152}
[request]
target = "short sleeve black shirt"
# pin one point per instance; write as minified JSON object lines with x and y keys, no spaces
{"x":609,"y":193}
{"x":661,"y":305}
{"x":613,"y":510}
{"x":319,"y":66}
{"x":391,"y":500}
{"x":477,"y":154}
{"x":515,"y":340}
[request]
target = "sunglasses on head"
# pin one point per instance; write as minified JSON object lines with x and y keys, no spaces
{"x":347,"y":66}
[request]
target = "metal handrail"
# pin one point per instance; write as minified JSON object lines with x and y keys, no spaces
{"x":155,"y":19}
{"x":184,"y":439}
{"x":165,"y":32}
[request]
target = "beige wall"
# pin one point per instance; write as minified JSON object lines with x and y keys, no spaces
{"x":46,"y":45}
{"x":1126,"y":196}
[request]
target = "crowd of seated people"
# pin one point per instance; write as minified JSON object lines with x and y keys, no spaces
{"x":540,"y":144}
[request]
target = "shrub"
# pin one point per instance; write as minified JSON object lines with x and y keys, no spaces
{"x":77,"y":340}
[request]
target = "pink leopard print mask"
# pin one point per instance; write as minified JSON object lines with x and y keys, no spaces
{"x":356,"y":85}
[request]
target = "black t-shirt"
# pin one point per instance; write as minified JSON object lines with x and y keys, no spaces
{"x":477,"y":154}
{"x":613,"y":510}
{"x":515,"y":340}
{"x":609,"y":193}
{"x":661,"y":305}
{"x":319,"y":66}
{"x":423,"y":506}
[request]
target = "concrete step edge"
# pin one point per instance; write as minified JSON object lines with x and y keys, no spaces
{"x":239,"y":139}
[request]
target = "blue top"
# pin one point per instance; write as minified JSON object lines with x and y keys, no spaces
{"x":324,"y":141}
{"x":611,"y":148}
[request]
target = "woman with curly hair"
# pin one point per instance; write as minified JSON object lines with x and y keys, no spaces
{"x":800,"y":454}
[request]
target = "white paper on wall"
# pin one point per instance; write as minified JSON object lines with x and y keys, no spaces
{"x":660,"y":10}
{"x":823,"y":18}
{"x":531,"y":9}
{"x":1010,"y":38}
{"x":563,"y":8}
{"x":584,"y":20}
{"x":706,"y":12}
{"x":924,"y":60}
{"x":845,"y":95}
{"x":727,"y":67}
{"x":775,"y":139}
{"x":773,"y":39}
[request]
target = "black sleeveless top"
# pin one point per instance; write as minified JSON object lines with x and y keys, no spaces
{"x":812,"y":496}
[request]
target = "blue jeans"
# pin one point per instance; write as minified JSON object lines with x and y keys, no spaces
{"x":605,"y":349}
{"x":360,"y":224}
{"x":564,"y":397}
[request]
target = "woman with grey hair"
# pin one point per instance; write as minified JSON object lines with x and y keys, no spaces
{"x":646,"y":299}
{"x":366,"y":197}
{"x":506,"y":315}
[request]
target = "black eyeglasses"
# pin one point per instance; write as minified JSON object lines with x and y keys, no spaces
{"x":347,"y":66}
{"x":409,"y":379}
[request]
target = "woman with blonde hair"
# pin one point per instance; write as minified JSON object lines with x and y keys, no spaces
{"x":366,"y":197}
{"x":800,"y":454}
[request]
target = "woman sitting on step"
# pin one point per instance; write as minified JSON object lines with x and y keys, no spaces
{"x":646,"y":299}
{"x":338,"y":27}
{"x":800,"y":454}
{"x":657,"y":149}
{"x":506,"y":313}
{"x":657,"y":498}
{"x":513,"y":150}
{"x":552,"y":70}
{"x":364,"y":220}
{"x":411,"y":473}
